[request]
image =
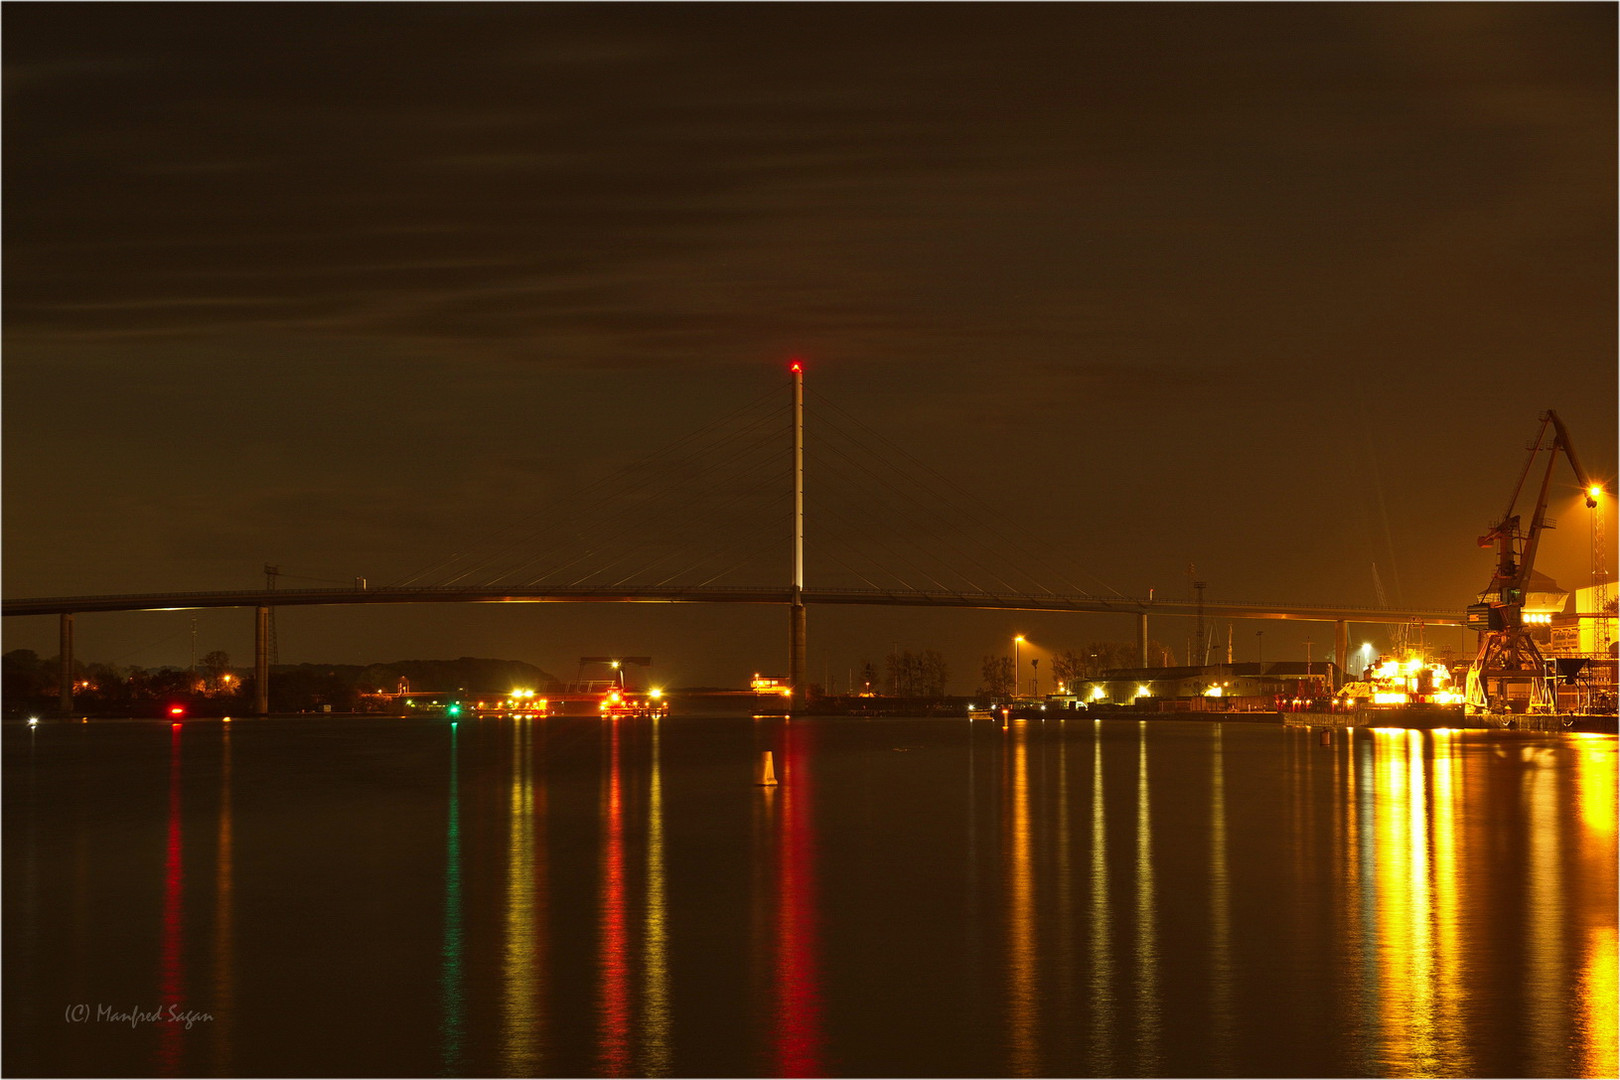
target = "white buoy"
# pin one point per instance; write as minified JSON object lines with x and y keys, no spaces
{"x":766,"y":777}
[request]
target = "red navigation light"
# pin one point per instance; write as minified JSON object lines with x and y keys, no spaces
{"x":796,"y":367}
{"x":177,"y":710}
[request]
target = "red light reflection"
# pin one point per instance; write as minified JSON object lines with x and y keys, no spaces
{"x":613,"y":1012}
{"x":798,"y":1000}
{"x":171,"y":971}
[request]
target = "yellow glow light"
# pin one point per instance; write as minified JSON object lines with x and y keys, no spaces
{"x":1594,"y":491}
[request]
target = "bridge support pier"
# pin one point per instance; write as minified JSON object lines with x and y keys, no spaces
{"x":261,"y":662}
{"x":796,"y":652}
{"x":1141,"y":639}
{"x":65,"y":668}
{"x":1341,"y":648}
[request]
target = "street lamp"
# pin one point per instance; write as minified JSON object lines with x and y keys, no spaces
{"x":1017,"y":641}
{"x":1600,"y":573}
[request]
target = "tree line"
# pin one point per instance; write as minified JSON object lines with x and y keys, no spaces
{"x":31,"y":682}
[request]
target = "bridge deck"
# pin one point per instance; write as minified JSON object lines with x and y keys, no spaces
{"x":180,"y":601}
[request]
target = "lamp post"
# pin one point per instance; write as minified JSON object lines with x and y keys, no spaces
{"x":1017,"y":641}
{"x":1600,"y":572}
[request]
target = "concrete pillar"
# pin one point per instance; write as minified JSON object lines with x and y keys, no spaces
{"x":65,"y":657}
{"x":796,"y":653}
{"x":1341,"y":648}
{"x":1141,"y":639}
{"x":261,"y":662}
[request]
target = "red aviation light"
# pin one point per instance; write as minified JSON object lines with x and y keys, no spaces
{"x":796,"y":367}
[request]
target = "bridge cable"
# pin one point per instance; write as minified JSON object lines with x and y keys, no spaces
{"x":629,"y":514}
{"x":950,"y":486}
{"x":602,"y":482}
{"x":628,"y":488}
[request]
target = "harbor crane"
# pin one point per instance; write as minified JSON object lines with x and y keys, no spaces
{"x":1509,"y":672}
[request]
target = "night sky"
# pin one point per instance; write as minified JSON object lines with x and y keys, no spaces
{"x":1276,"y":290}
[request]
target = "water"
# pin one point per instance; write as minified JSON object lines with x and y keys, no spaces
{"x":917,"y":897}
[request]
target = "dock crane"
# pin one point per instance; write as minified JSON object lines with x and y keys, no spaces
{"x":1509,"y":671}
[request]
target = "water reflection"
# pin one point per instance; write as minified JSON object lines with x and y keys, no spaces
{"x":1598,"y":998}
{"x":1446,"y":899}
{"x":1599,"y":1003}
{"x":655,"y":1048}
{"x":1400,"y":856}
{"x":798,"y":1034}
{"x":1065,"y":903}
{"x":1102,"y":953}
{"x":1404,"y":898}
{"x":522,"y":1015}
{"x":613,"y":992}
{"x":224,"y":1005}
{"x":451,"y":1007}
{"x":1544,"y":918}
{"x":1451,"y":912}
{"x":1220,"y":903}
{"x":1023,"y":1000}
{"x":172,"y":970}
{"x":1147,"y":940}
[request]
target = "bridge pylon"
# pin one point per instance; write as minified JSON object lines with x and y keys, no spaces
{"x":65,"y":665}
{"x":796,"y":619}
{"x":261,"y":662}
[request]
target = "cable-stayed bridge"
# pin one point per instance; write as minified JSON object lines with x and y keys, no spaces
{"x":720,"y":516}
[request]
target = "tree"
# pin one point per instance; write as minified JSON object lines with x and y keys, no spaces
{"x":26,"y":678}
{"x":214,"y":666}
{"x":1068,"y":668}
{"x":935,"y":673}
{"x":917,"y":674}
{"x":998,"y":674}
